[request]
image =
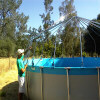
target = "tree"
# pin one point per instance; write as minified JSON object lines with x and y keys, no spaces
{"x":98,"y":17}
{"x":46,"y":17}
{"x":12,"y":23}
{"x":47,"y":22}
{"x":70,"y":35}
{"x":7,"y":48}
{"x":92,"y":38}
{"x":67,"y":8}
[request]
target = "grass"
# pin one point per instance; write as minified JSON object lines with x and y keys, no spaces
{"x":8,"y":79}
{"x":7,"y":64}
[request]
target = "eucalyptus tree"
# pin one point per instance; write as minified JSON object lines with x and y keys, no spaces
{"x":47,"y":22}
{"x":46,"y":17}
{"x":70,"y":35}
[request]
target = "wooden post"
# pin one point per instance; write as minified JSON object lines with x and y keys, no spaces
{"x":9,"y":63}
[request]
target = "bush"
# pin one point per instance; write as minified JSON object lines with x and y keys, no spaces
{"x":84,"y":54}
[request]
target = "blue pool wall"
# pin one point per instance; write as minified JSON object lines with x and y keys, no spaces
{"x":88,"y":62}
{"x":53,"y":79}
{"x":88,"y":67}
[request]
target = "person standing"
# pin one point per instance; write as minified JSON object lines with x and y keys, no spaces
{"x":21,"y":73}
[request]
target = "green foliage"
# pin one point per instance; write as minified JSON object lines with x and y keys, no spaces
{"x":98,"y":17}
{"x":58,"y":50}
{"x":67,"y":7}
{"x":2,"y":94}
{"x":21,"y":26}
{"x":12,"y":26}
{"x":46,"y":17}
{"x":84,"y":54}
{"x":8,"y":17}
{"x":47,"y":3}
{"x":95,"y":54}
{"x":22,"y":42}
{"x":48,"y":46}
{"x":92,"y":40}
{"x":70,"y":35}
{"x":7,"y":48}
{"x":13,"y":29}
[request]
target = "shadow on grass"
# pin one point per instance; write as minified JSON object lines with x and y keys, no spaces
{"x":10,"y":92}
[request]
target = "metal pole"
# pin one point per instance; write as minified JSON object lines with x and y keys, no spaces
{"x":68,"y":83}
{"x":80,"y":43}
{"x":41,"y":75}
{"x":98,"y":84}
{"x":55,"y":50}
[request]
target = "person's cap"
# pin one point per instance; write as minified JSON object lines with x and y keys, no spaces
{"x":20,"y":51}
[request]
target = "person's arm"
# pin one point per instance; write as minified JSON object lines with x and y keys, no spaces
{"x":22,"y":57}
{"x":24,"y":69}
{"x":27,"y":49}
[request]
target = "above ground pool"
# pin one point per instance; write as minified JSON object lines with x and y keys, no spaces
{"x":63,"y":78}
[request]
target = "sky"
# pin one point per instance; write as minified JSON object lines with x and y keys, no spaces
{"x":33,"y":8}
